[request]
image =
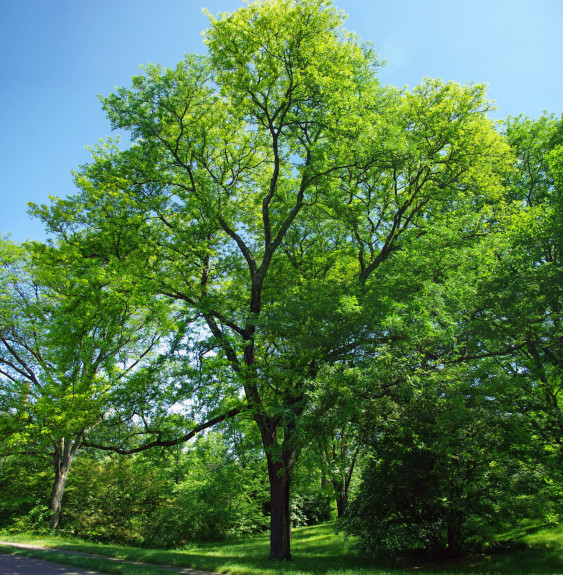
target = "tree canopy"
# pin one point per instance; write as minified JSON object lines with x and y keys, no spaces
{"x":65,"y":343}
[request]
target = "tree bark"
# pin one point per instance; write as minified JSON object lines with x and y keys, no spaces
{"x":454,"y":536}
{"x":280,"y":457}
{"x":280,"y":517}
{"x":55,"y":504}
{"x":341,"y":498}
{"x":63,"y":455}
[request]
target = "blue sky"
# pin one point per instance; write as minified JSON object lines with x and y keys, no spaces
{"x":57,"y":56}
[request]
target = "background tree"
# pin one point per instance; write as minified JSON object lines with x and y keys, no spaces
{"x":65,"y":341}
{"x":266,"y":187}
{"x":519,"y":310}
{"x":482,"y":338}
{"x":450,"y":466}
{"x":334,"y":429}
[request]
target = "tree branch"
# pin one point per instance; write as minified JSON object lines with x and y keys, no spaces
{"x":171,"y":442}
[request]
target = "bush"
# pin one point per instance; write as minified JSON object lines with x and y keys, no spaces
{"x":310,"y":508}
{"x":447,"y":469}
{"x":162,"y":501}
{"x":25,"y":487}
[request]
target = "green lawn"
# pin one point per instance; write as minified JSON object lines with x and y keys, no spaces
{"x":316,"y":550}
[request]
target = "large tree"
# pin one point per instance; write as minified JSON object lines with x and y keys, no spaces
{"x":266,"y":188}
{"x":65,"y":342}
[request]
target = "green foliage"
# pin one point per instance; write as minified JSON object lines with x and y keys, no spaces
{"x":311,"y":501}
{"x":449,"y":467}
{"x":65,"y":342}
{"x":520,"y":301}
{"x":452,"y":461}
{"x":288,"y":239}
{"x":218,"y":498}
{"x":166,"y":499}
{"x":24,"y":481}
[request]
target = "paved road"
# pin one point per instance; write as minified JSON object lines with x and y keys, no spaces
{"x":18,"y":565}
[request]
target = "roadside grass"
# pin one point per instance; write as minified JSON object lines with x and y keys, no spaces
{"x":316,"y":550}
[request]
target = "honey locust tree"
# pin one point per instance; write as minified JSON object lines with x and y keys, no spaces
{"x":65,"y":342}
{"x":265,"y":187}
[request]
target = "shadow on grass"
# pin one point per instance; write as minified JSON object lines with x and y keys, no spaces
{"x":524,"y":563}
{"x":319,"y":550}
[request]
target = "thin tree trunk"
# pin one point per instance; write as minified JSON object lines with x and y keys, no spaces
{"x":342,"y":486}
{"x":63,"y":456}
{"x":454,"y":536}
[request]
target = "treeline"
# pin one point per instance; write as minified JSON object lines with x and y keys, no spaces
{"x":295,"y":280}
{"x":213,"y":490}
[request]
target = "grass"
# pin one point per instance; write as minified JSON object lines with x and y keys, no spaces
{"x":317,"y":550}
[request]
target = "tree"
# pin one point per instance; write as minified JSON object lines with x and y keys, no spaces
{"x":266,"y":186}
{"x":519,"y":302}
{"x":530,"y":275}
{"x":64,"y":343}
{"x":333,"y":426}
{"x":448,"y":464}
{"x":457,"y":451}
{"x":340,"y":455}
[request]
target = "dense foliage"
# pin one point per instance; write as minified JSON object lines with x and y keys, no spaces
{"x":448,"y":470}
{"x":474,"y":445}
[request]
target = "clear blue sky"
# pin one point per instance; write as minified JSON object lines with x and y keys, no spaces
{"x":57,"y":56}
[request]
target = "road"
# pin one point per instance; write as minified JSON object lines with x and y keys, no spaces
{"x":18,"y":565}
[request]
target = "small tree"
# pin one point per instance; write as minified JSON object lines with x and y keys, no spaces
{"x":333,"y":423}
{"x":447,"y":467}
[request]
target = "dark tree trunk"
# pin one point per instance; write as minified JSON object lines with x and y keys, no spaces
{"x":280,"y":517}
{"x":280,"y":457}
{"x":63,"y":455}
{"x":342,"y":487}
{"x":55,"y":504}
{"x":454,"y":536}
{"x":341,"y":498}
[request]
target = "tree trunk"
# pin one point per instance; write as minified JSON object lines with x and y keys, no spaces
{"x":280,"y":460}
{"x":55,"y":504}
{"x":454,"y":536}
{"x":341,"y":498}
{"x":342,"y":487}
{"x":63,"y":455}
{"x":280,"y":517}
